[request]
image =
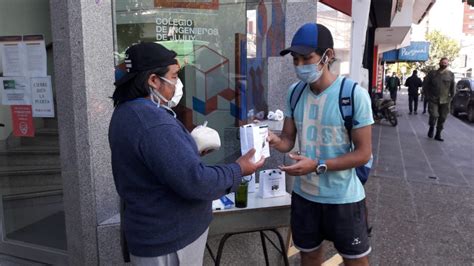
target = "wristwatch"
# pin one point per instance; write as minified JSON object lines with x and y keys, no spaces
{"x":321,"y":168}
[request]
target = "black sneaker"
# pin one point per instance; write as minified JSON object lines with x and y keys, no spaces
{"x":416,"y":113}
{"x":409,"y":113}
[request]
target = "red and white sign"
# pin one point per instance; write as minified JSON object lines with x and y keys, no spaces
{"x":22,"y":118}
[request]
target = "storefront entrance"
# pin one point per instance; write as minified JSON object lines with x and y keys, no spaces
{"x":32,"y":224}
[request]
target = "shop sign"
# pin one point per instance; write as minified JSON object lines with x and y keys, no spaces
{"x":172,"y":29}
{"x":22,"y":118}
{"x":416,"y":51}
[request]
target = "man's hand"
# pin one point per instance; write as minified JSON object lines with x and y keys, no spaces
{"x":247,"y":165}
{"x":303,"y":165}
{"x":273,"y":139}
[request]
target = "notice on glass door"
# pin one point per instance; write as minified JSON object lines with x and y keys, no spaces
{"x":22,"y":121}
{"x":12,"y":57}
{"x":35,"y":55}
{"x":15,"y":90}
{"x":23,"y":56}
{"x":42,"y":97}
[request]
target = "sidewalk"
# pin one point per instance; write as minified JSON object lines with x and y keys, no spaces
{"x":421,"y":194}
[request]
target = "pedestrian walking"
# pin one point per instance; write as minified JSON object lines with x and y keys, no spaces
{"x":413,"y":83}
{"x":423,"y":97}
{"x":393,"y":84}
{"x":439,"y":89}
{"x":328,"y":200}
{"x":166,"y":188}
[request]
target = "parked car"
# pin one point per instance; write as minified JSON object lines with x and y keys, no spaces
{"x":463,"y":100}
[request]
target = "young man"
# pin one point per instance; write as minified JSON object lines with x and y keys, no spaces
{"x":328,"y":198}
{"x":413,"y":83}
{"x":439,"y":90}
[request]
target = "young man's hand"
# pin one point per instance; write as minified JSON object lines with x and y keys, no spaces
{"x":303,"y":165}
{"x":273,"y":139}
{"x":247,"y":165}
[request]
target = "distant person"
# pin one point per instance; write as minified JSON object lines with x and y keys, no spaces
{"x":393,"y":84}
{"x":413,"y":83}
{"x":439,"y":89}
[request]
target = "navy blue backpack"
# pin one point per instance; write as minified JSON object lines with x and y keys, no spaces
{"x":346,"y":98}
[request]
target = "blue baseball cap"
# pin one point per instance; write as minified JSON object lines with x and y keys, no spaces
{"x":308,"y":38}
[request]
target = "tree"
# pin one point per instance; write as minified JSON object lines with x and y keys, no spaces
{"x":440,"y":46}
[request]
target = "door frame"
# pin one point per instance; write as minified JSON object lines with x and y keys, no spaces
{"x":29,"y":251}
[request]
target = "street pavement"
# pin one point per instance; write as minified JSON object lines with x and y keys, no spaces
{"x":421,"y":193}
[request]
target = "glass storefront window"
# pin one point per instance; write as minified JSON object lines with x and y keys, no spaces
{"x":222,"y":48}
{"x":340,"y":26}
{"x":32,"y":219}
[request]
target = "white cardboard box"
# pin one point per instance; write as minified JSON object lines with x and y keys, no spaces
{"x":255,"y":136}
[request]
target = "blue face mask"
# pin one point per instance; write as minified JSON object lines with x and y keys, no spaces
{"x":309,"y":73}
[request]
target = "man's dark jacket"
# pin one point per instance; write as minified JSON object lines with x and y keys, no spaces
{"x":413,"y":83}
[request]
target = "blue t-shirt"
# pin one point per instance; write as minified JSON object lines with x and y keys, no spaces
{"x":322,"y":135}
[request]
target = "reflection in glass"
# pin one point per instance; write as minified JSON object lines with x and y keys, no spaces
{"x":223,"y":52}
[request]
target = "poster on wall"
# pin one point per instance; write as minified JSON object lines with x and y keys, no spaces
{"x":15,"y":90}
{"x":12,"y":60}
{"x":35,"y":51}
{"x":23,"y":56}
{"x":42,"y":97}
{"x":22,"y":119}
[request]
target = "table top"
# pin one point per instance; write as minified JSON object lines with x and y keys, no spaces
{"x":254,"y":202}
{"x":260,"y":214}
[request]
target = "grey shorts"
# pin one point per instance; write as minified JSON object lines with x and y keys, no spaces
{"x":191,"y":255}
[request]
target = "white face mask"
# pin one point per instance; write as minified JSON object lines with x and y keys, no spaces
{"x":178,"y":94}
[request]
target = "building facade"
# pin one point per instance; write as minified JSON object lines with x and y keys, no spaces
{"x":468,"y":20}
{"x":57,"y":198}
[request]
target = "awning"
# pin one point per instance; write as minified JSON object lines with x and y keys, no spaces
{"x":415,"y":52}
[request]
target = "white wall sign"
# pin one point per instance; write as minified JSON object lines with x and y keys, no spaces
{"x":15,"y":91}
{"x":42,"y":97}
{"x":23,"y":56}
{"x":35,"y":57}
{"x":12,"y":59}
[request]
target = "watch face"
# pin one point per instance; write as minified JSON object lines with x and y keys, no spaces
{"x":321,"y":169}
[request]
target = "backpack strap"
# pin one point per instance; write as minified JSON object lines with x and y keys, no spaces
{"x":346,"y":106}
{"x":295,"y":96}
